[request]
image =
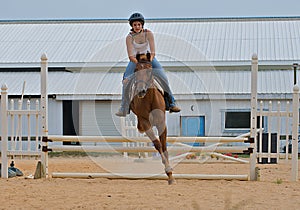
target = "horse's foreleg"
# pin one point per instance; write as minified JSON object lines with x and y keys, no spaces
{"x":150,"y":133}
{"x":163,"y":140}
{"x":158,"y":147}
{"x":157,"y":144}
{"x":164,"y":157}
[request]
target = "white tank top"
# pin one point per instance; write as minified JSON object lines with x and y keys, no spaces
{"x":140,"y":47}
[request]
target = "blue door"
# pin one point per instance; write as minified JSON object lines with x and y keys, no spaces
{"x":193,"y":126}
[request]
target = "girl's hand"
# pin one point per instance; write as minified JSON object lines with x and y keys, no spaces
{"x":152,"y":56}
{"x":134,"y":60}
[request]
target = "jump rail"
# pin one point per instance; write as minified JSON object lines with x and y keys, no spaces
{"x":172,"y":148}
{"x":112,"y":139}
{"x":149,"y":176}
{"x":111,"y":149}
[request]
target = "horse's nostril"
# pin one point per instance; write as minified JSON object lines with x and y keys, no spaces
{"x":141,"y":93}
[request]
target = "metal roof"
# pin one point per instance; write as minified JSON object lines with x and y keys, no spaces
{"x":107,"y":86}
{"x":191,"y":42}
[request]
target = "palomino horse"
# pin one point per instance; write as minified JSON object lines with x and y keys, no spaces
{"x":149,"y":106}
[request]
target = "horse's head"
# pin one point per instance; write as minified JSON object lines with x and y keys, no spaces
{"x":143,"y":74}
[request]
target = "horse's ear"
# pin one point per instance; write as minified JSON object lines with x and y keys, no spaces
{"x":148,"y":56}
{"x":138,"y":56}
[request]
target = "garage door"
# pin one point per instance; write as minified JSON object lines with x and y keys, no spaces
{"x":97,"y":119}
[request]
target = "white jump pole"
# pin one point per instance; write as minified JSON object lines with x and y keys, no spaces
{"x":44,"y":112}
{"x":114,"y":149}
{"x":4,"y":132}
{"x":149,"y":176}
{"x":253,"y":133}
{"x":295,"y":133}
{"x":181,"y":139}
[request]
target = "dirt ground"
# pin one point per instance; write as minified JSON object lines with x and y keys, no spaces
{"x":274,"y":191}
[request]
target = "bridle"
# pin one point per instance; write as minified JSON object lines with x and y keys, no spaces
{"x":148,"y":82}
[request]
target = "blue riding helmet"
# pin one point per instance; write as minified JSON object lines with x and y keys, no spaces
{"x":136,"y":17}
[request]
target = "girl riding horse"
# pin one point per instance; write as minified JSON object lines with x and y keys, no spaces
{"x":141,"y":40}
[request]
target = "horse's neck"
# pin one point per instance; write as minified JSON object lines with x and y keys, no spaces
{"x":156,"y":89}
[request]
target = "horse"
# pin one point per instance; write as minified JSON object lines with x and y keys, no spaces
{"x":149,"y":106}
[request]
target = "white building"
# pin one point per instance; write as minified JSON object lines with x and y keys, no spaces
{"x":207,"y":61}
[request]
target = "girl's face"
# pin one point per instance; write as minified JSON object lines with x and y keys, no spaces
{"x":137,"y":26}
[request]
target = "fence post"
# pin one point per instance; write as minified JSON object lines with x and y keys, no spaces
{"x":44,"y":112}
{"x":253,"y":129}
{"x":4,"y":134}
{"x":295,"y":133}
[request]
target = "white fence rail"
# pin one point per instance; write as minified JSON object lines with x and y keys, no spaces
{"x":14,"y":143}
{"x":277,"y":116}
{"x":14,"y":121}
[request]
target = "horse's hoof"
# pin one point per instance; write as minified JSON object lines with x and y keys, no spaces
{"x":171,"y":181}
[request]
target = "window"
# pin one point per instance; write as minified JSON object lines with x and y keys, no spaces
{"x":238,"y":120}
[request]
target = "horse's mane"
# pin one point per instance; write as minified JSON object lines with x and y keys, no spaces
{"x":143,"y":62}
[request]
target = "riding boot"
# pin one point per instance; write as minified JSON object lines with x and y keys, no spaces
{"x":124,"y":108}
{"x":170,"y":103}
{"x":168,"y":96}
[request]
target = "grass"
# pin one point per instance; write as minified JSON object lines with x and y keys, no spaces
{"x":279,"y":181}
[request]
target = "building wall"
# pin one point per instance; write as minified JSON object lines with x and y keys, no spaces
{"x":214,"y":113}
{"x":98,"y":118}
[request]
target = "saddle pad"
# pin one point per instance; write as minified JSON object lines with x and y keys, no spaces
{"x":131,"y":88}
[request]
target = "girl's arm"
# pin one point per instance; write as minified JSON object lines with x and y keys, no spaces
{"x":150,"y":38}
{"x":130,"y":51}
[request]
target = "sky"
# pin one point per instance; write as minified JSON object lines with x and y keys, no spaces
{"x":121,"y":9}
